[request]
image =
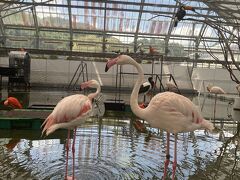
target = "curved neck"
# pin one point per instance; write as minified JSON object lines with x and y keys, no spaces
{"x":134,"y":95}
{"x":93,"y":95}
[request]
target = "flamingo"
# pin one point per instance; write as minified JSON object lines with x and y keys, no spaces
{"x":171,"y":86}
{"x":69,"y":113}
{"x":215,"y":90}
{"x":13,"y":102}
{"x":167,"y":110}
{"x":238,"y":89}
{"x":152,"y":50}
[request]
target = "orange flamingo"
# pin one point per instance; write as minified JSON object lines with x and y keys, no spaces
{"x":13,"y":102}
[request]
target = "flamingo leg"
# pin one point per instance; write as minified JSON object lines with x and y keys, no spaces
{"x":73,"y":151}
{"x":215,"y":103}
{"x":175,"y":157}
{"x":67,"y":149}
{"x":166,"y":163}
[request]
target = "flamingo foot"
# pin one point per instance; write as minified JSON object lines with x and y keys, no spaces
{"x":166,"y":163}
{"x":174,"y":169}
{"x":70,"y":178}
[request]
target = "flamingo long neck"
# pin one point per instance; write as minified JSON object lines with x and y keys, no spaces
{"x":134,"y":95}
{"x":93,"y":95}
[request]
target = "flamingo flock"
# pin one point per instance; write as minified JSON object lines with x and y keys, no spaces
{"x":168,"y":111}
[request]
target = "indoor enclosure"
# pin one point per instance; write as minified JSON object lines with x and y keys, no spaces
{"x":110,"y":89}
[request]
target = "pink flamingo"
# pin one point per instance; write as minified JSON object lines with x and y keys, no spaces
{"x":168,"y":110}
{"x":69,"y":113}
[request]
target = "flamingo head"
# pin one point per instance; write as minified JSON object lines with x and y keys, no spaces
{"x":6,"y":102}
{"x":238,"y":86}
{"x":209,"y":87}
{"x":91,"y":83}
{"x":120,"y":60}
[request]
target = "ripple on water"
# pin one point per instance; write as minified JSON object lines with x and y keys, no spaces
{"x":109,"y":155}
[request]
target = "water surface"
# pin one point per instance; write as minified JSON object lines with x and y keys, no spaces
{"x":113,"y":149}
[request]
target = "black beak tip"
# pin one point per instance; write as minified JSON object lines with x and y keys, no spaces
{"x":106,"y":68}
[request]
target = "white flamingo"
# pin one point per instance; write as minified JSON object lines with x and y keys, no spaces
{"x":170,"y":86}
{"x":69,"y":113}
{"x":215,"y":90}
{"x":168,"y":111}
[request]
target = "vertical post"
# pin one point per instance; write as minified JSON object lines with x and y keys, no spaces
{"x":2,"y":33}
{"x":70,"y":26}
{"x":35,"y":19}
{"x":161,"y":71}
{"x":104,"y":48}
{"x":152,"y":65}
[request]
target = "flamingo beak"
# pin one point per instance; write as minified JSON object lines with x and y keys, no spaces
{"x":110,"y":63}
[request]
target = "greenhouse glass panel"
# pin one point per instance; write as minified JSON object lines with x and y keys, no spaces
{"x":90,"y":19}
{"x":87,"y":42}
{"x":20,"y":38}
{"x":146,"y":41}
{"x":62,"y":2}
{"x":120,"y":20}
{"x":24,"y":18}
{"x":154,"y":25}
{"x":49,"y":16}
{"x":54,"y":40}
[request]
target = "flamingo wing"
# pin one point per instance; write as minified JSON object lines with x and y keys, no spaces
{"x":72,"y":107}
{"x":69,"y":109}
{"x":178,"y":112}
{"x":217,"y":90}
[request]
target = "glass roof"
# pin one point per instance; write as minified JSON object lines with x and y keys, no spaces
{"x":114,"y":25}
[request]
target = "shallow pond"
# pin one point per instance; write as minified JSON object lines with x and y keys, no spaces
{"x":113,"y":148}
